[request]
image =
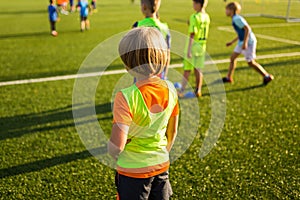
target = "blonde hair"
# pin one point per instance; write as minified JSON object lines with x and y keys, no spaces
{"x":153,"y":5}
{"x":235,"y":7}
{"x":144,"y":51}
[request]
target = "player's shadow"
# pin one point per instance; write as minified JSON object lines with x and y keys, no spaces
{"x":34,"y":34}
{"x":17,"y":126}
{"x":23,"y":12}
{"x":49,"y":162}
{"x":233,"y":90}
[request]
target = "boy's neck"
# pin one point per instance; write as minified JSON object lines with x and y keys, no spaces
{"x":150,"y":15}
{"x":201,"y":10}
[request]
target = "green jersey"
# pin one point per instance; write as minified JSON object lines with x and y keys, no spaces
{"x":153,"y":22}
{"x":199,"y":25}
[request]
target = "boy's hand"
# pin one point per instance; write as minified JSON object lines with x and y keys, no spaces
{"x":58,"y":19}
{"x":228,"y":44}
{"x":245,"y":46}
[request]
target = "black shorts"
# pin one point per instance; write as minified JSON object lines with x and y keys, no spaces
{"x":83,"y":18}
{"x":153,"y":188}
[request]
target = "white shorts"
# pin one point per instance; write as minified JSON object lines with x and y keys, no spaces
{"x":249,"y":53}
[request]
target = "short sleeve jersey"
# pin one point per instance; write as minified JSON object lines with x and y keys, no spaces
{"x":84,"y":11}
{"x":52,"y":13}
{"x":238,"y":23}
{"x":199,"y":25}
{"x":153,"y":92}
{"x":162,"y":27}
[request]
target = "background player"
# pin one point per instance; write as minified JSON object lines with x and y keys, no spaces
{"x":196,"y":46}
{"x":246,"y":44}
{"x":150,"y":9}
{"x":84,"y":7}
{"x":53,"y":17}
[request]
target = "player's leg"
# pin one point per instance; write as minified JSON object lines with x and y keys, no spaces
{"x":87,"y":23}
{"x":199,"y":62}
{"x":187,"y":67}
{"x":133,"y":188}
{"x":199,"y":81}
{"x":82,"y":24}
{"x":232,"y":67}
{"x":185,"y":79}
{"x":161,"y":188}
{"x":250,"y":55}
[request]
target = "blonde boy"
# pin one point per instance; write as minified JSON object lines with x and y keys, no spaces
{"x":145,"y":119}
{"x":246,"y":44}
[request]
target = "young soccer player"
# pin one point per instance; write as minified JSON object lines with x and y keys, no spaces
{"x":196,"y":46}
{"x":94,"y":5}
{"x":53,"y":17}
{"x":62,"y":4}
{"x":84,"y":12}
{"x":150,"y":9}
{"x":72,"y":6}
{"x":145,"y":119}
{"x":246,"y":44}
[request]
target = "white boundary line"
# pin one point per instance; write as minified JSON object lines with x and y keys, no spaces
{"x":267,"y":37}
{"x":267,"y":25}
{"x":112,"y":72}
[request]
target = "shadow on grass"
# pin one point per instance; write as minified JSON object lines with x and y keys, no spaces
{"x":47,"y":163}
{"x":34,"y":34}
{"x":16,"y":126}
{"x":22,"y":12}
{"x":233,"y":90}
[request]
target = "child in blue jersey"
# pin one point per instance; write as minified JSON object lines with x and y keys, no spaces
{"x":84,"y":12}
{"x":246,"y":44}
{"x":53,"y":17}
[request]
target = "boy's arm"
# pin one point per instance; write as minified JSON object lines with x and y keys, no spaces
{"x":246,"y":37}
{"x":172,"y":131}
{"x":189,"y":54}
{"x":118,"y":139}
{"x":232,"y":42}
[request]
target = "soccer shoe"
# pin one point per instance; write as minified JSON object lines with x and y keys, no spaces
{"x":198,"y":93}
{"x":54,"y":33}
{"x":268,"y":78}
{"x":180,"y":94}
{"x":189,"y":95}
{"x":227,"y":80}
{"x":177,"y":85}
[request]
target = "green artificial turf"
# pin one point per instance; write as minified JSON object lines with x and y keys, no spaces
{"x":42,"y":156}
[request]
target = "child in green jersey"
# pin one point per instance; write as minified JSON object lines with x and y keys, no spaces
{"x":145,"y":119}
{"x":196,"y":46}
{"x":150,"y":9}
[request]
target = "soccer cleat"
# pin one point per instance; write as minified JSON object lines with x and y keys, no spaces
{"x":227,"y":80}
{"x":54,"y":33}
{"x":198,"y":93}
{"x":268,"y":78}
{"x":180,"y":94}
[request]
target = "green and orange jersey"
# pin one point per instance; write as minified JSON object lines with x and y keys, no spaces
{"x":156,"y":96}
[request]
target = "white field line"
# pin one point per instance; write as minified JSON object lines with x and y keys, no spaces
{"x":267,"y":37}
{"x":267,"y":25}
{"x":112,"y":72}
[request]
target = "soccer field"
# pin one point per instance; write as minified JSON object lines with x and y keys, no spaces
{"x":42,"y":157}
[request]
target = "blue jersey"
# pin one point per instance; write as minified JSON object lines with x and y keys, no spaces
{"x":84,"y":8}
{"x":238,"y":23}
{"x":52,"y":13}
